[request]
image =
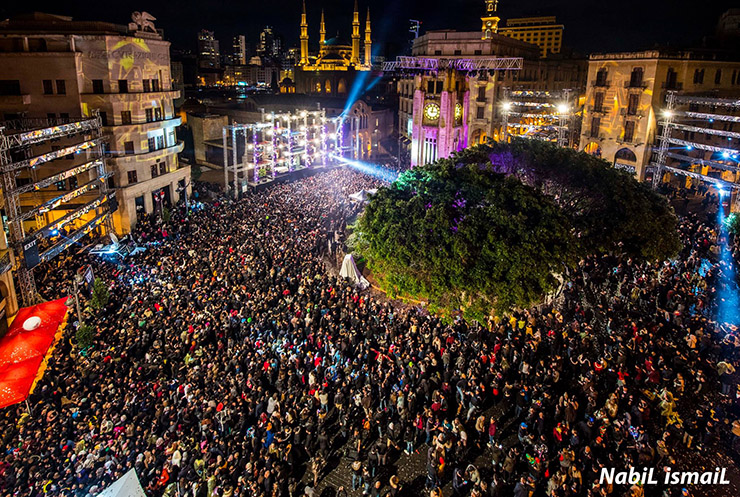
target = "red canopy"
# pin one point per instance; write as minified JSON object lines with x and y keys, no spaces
{"x":26,"y":347}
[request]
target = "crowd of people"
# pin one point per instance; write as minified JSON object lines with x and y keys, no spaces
{"x":230,"y":360}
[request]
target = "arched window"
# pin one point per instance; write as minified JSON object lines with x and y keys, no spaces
{"x":342,"y":86}
{"x":625,"y":154}
{"x":328,"y":86}
{"x":318,"y":87}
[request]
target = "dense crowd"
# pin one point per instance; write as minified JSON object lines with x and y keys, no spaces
{"x":229,"y":361}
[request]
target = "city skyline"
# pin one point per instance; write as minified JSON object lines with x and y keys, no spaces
{"x":588,"y":28}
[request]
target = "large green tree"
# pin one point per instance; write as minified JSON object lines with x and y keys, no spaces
{"x":491,"y":227}
{"x":464,"y":237}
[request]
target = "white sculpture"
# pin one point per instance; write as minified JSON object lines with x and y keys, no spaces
{"x":142,"y":22}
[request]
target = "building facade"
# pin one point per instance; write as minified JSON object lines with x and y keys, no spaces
{"x":64,"y":68}
{"x":441,"y":112}
{"x":627,"y":91}
{"x":544,"y":32}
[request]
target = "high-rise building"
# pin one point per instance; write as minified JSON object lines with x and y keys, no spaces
{"x":63,"y":69}
{"x":443,"y":111}
{"x":265,"y":47}
{"x":209,"y":55}
{"x":627,"y":92}
{"x":239,"y":53}
{"x":544,"y":32}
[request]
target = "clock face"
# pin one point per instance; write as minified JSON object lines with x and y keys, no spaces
{"x":431,"y":112}
{"x":458,"y":111}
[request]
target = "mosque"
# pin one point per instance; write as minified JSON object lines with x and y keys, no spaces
{"x":332,"y":70}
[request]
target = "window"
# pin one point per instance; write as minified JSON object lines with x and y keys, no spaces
{"x":160,"y":142}
{"x":599,"y":102}
{"x":636,"y":77}
{"x":480,"y":112}
{"x":61,"y":185}
{"x":10,"y":87}
{"x":629,"y":131}
{"x":64,"y":116}
{"x":698,"y":76}
{"x":671,"y":79}
{"x":147,"y":86}
{"x":481,"y":93}
{"x":438,"y":52}
{"x":125,"y":117}
{"x":430,"y":87}
{"x":158,"y":113}
{"x":150,"y":143}
{"x":51,"y":115}
{"x":155,"y":84}
{"x":478,"y":52}
{"x":634,"y":101}
{"x":48,"y":90}
{"x":122,"y":86}
{"x":439,"y":87}
{"x":595,"y":125}
{"x":718,"y":77}
{"x":601,"y":77}
{"x":149,"y":115}
{"x":97,"y":86}
{"x":104,"y":118}
{"x":155,"y":170}
{"x":129,"y":147}
{"x":61,"y":87}
{"x":132,"y":177}
{"x":73,"y":182}
{"x":458,"y":52}
{"x":163,"y":168}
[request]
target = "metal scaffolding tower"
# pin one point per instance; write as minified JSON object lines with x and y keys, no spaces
{"x":279,"y":143}
{"x":683,"y":115}
{"x":539,"y":114}
{"x":20,"y":141}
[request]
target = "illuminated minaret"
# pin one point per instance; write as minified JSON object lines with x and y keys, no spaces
{"x":490,"y":20}
{"x":322,"y":34}
{"x":368,"y":41}
{"x":355,"y":60}
{"x":304,"y":37}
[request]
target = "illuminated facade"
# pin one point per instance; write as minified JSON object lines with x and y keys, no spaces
{"x":626,"y":92}
{"x":448,"y":110}
{"x":64,"y":68}
{"x":333,"y":69}
{"x":544,"y":32}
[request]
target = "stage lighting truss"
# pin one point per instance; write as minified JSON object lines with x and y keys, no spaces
{"x":685,"y":117}
{"x":279,"y":143}
{"x":20,"y":138}
{"x":541,"y":115}
{"x":436,"y":64}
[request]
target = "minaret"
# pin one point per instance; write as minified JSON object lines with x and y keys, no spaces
{"x":355,"y":60}
{"x":304,"y":37}
{"x":368,"y":42}
{"x":322,"y":34}
{"x":490,"y":20}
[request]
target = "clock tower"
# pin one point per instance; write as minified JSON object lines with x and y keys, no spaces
{"x":490,"y":20}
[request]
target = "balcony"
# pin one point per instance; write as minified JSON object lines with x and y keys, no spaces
{"x":637,"y":85}
{"x":148,"y":126}
{"x":631,"y":113}
{"x":596,"y":110}
{"x":175,"y":93}
{"x":668,"y":85}
{"x":601,"y":83}
{"x":14,"y":100}
{"x":122,"y":158}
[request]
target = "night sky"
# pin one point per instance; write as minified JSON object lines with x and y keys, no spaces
{"x":590,"y":25}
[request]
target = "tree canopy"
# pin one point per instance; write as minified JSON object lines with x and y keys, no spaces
{"x":490,"y":228}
